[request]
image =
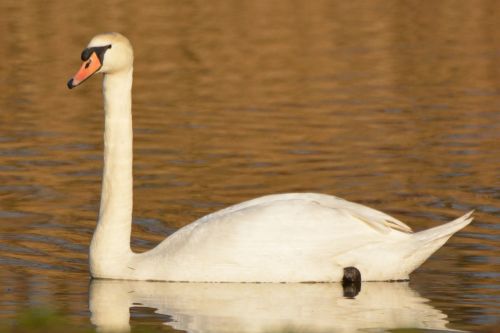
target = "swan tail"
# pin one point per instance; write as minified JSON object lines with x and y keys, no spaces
{"x":444,"y":231}
{"x":426,"y":242}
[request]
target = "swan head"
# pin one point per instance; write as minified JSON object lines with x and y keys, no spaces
{"x":106,"y":53}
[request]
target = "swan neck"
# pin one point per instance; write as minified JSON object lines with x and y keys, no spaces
{"x":111,"y":240}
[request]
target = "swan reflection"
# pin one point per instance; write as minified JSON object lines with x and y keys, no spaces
{"x":207,"y":307}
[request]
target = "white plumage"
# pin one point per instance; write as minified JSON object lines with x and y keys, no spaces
{"x":294,"y":237}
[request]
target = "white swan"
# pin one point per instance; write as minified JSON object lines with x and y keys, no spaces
{"x":293,"y":237}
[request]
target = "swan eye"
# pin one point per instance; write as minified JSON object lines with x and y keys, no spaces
{"x":99,"y":51}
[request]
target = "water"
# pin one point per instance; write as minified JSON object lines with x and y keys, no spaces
{"x":390,"y":104}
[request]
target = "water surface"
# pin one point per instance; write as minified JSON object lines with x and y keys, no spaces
{"x":391,"y":104}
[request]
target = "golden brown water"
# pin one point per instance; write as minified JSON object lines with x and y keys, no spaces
{"x":393,"y":104}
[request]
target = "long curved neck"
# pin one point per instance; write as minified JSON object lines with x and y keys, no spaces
{"x":111,"y":241}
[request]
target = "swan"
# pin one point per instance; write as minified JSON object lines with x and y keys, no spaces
{"x":293,"y":237}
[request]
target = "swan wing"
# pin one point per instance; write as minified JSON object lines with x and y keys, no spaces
{"x":305,"y":214}
{"x":377,"y":220}
{"x":287,"y":237}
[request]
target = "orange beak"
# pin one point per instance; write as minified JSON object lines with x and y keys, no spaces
{"x":89,"y":67}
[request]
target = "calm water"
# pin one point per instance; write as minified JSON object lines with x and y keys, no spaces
{"x":392,"y":104}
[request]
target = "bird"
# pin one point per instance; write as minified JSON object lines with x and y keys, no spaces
{"x":289,"y":237}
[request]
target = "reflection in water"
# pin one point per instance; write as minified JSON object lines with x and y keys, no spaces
{"x":205,"y":307}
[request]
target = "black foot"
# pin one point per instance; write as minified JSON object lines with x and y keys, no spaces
{"x":351,"y":282}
